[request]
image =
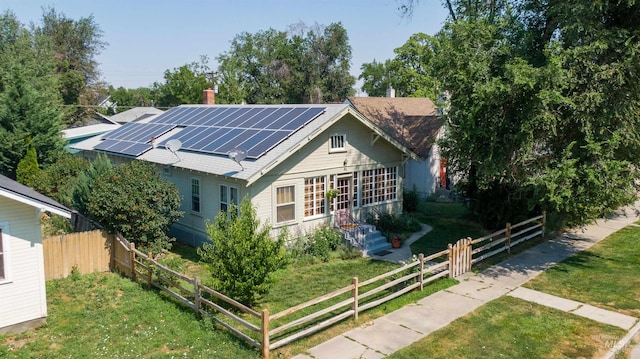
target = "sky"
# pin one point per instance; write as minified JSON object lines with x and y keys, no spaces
{"x":147,"y":37}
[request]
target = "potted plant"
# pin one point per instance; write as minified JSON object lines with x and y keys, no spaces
{"x":396,"y":241}
{"x":332,"y":193}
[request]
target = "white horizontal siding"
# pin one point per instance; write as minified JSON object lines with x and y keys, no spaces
{"x":23,"y":298}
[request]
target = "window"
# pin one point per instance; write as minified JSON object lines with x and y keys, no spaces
{"x":228,"y":195}
{"x":195,"y":195}
{"x":285,"y":204}
{"x":314,"y":194}
{"x":337,"y":143}
{"x":5,"y":259}
{"x":379,"y":185}
{"x":3,"y":256}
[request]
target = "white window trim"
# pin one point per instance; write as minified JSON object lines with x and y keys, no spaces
{"x":6,"y":247}
{"x":386,"y":188}
{"x":324,"y":199}
{"x":192,"y":195}
{"x":227,"y":192}
{"x":275,"y":203}
{"x":338,"y":149}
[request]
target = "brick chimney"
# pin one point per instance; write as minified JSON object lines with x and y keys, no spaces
{"x":209,"y":97}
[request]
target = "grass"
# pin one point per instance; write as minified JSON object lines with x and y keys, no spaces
{"x":105,"y":315}
{"x":511,"y":328}
{"x":450,"y":222}
{"x":606,"y":275}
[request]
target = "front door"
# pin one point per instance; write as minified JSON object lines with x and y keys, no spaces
{"x":343,"y":200}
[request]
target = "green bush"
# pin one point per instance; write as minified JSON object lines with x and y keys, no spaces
{"x":317,"y":244}
{"x":410,"y":200}
{"x":242,"y":254}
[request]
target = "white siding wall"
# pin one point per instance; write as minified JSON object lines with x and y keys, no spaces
{"x":424,"y":175}
{"x":23,"y":297}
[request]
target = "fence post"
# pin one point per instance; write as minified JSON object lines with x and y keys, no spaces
{"x":421,"y":278}
{"x":451,"y":262}
{"x":544,"y":221}
{"x":469,"y":254}
{"x":508,"y":243}
{"x":265,"y":334}
{"x":149,"y":269}
{"x":132,"y":260}
{"x":196,"y":295}
{"x":354,"y":294}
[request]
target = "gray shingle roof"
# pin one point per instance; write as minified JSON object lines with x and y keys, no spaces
{"x":11,"y":187}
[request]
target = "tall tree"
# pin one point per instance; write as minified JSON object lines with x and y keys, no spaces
{"x":30,"y":111}
{"x":75,"y":45}
{"x":410,"y":72}
{"x":544,"y":104}
{"x":183,"y":85}
{"x":303,"y":65}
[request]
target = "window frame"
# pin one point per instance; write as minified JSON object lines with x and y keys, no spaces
{"x":196,"y":195}
{"x":379,"y":186}
{"x":5,"y":254}
{"x":317,"y":200}
{"x":226,"y":196}
{"x":335,"y":140}
{"x":291,"y":204}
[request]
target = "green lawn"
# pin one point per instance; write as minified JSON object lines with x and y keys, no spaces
{"x":511,"y":328}
{"x":103,"y":315}
{"x":450,"y":222}
{"x":607,"y":275}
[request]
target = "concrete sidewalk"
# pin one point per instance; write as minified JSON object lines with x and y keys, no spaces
{"x":401,"y":328}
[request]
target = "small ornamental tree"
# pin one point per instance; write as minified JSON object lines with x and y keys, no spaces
{"x":28,"y":170}
{"x":242,"y":255}
{"x":133,"y":200}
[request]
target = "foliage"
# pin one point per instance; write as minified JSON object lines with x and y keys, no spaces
{"x":303,"y":65}
{"x":132,"y":199}
{"x":87,"y":179}
{"x":30,"y":111}
{"x":59,"y":179}
{"x":75,"y":45}
{"x":129,"y":98}
{"x":410,"y":73}
{"x":318,"y":243}
{"x":544,"y":105}
{"x":28,"y":171}
{"x":410,"y":200}
{"x":183,"y":85}
{"x":54,"y":225}
{"x":390,"y":224}
{"x":242,"y":254}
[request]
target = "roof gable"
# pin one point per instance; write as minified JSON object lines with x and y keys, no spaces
{"x":21,"y":193}
{"x":412,"y":121}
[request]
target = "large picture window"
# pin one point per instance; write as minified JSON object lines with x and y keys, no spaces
{"x":285,"y":204}
{"x":379,"y":185}
{"x":314,"y":194}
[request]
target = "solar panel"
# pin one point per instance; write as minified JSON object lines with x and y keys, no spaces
{"x":214,"y":129}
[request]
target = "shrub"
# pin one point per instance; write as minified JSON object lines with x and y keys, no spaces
{"x":410,"y":200}
{"x":242,"y":254}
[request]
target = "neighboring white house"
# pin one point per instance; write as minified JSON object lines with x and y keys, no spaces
{"x":412,"y":121}
{"x":292,"y":155}
{"x":23,"y":301}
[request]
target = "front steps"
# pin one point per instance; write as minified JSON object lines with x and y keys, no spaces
{"x":366,"y":238}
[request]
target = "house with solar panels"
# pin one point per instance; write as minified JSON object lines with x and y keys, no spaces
{"x":284,"y":157}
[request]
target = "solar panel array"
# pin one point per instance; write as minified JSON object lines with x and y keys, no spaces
{"x":214,"y":129}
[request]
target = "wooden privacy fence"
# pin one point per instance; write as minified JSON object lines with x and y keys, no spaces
{"x":85,"y":252}
{"x":271,"y":331}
